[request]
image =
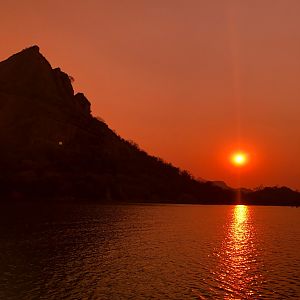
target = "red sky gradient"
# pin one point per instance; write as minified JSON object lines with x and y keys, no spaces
{"x":189,"y":81}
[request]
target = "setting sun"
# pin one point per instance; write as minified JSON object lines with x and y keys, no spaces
{"x":239,"y":159}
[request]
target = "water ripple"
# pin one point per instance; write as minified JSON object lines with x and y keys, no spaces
{"x":150,"y":252}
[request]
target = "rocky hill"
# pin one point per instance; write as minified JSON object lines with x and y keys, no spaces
{"x":52,"y":147}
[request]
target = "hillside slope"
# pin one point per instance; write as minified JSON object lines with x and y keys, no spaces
{"x":52,"y":147}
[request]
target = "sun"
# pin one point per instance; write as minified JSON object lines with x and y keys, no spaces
{"x":239,"y":159}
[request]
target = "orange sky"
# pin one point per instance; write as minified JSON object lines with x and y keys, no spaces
{"x":189,"y":81}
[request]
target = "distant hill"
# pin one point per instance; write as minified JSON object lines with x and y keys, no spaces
{"x":272,"y":196}
{"x":52,"y":148}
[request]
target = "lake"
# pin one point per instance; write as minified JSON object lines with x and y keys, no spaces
{"x":149,"y":252}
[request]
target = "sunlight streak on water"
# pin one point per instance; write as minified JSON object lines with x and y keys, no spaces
{"x":237,"y":274}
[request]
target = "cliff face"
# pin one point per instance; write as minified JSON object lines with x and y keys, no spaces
{"x":35,"y":95}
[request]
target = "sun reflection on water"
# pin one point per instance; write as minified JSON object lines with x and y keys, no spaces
{"x":236,"y":274}
{"x":240,"y":213}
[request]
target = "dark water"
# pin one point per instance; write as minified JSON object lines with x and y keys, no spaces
{"x":149,"y":252}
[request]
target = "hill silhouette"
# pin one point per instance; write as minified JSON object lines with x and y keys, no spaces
{"x":53,"y":148}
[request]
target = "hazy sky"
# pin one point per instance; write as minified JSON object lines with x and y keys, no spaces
{"x":189,"y":81}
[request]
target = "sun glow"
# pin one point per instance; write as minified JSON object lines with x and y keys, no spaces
{"x":239,"y":159}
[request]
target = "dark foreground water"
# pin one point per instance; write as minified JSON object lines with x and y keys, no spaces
{"x":149,"y":252}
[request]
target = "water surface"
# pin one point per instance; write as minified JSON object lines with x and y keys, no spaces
{"x":149,"y":252}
